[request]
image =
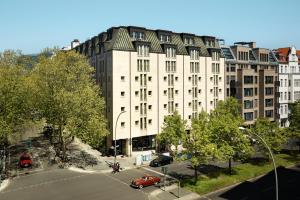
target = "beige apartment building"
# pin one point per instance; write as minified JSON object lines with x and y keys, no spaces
{"x":252,"y":77}
{"x":150,"y":74}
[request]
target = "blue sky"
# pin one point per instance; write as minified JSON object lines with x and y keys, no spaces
{"x":31,"y":25}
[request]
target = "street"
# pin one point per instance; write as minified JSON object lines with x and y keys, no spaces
{"x":63,"y":184}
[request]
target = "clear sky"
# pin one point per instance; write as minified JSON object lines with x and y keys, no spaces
{"x":31,"y":25}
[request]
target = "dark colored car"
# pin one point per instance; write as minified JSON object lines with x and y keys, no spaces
{"x":145,"y":181}
{"x":25,"y":160}
{"x":161,"y":160}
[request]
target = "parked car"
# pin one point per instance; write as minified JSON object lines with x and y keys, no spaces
{"x":25,"y":160}
{"x":146,"y":180}
{"x":161,"y":160}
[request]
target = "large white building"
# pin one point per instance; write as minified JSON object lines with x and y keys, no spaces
{"x":150,"y":74}
{"x":289,"y":77}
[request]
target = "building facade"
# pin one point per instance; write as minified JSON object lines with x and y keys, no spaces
{"x":150,"y":74}
{"x":252,"y":77}
{"x":289,"y":77}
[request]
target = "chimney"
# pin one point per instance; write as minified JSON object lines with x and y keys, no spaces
{"x":252,"y":44}
{"x":75,"y":43}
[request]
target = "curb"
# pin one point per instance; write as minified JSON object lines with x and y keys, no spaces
{"x":4,"y":184}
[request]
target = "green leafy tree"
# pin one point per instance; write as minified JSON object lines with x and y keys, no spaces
{"x":15,"y":107}
{"x":68,"y":99}
{"x":198,"y":143}
{"x":294,"y":128}
{"x":270,"y":133}
{"x":225,"y":121}
{"x":173,"y":130}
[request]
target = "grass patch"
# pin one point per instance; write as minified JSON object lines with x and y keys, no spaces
{"x":242,"y":172}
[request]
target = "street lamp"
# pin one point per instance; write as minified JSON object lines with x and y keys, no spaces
{"x":116,"y":137}
{"x":274,"y":165}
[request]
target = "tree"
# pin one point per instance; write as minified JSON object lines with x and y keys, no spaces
{"x":294,"y":128}
{"x":173,"y":130}
{"x":15,"y":108}
{"x":225,"y":121}
{"x":198,"y":143}
{"x":68,"y":99}
{"x":270,"y":133}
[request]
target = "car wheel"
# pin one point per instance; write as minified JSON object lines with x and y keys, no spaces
{"x":140,"y":186}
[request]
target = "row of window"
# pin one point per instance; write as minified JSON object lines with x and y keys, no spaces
{"x":291,"y":69}
{"x":170,"y":66}
{"x":243,"y":55}
{"x":194,"y":67}
{"x":263,"y":57}
{"x":215,"y":68}
{"x":143,"y":65}
{"x":143,"y":50}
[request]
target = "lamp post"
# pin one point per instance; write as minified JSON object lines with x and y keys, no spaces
{"x":116,"y":137}
{"x":274,"y":165}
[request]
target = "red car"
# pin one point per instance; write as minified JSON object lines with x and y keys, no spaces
{"x":145,"y":181}
{"x":25,"y":160}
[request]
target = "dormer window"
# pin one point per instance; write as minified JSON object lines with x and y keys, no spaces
{"x":194,"y":54}
{"x":170,"y":52}
{"x":138,"y":35}
{"x":165,"y":38}
{"x":189,"y":41}
{"x":210,"y":43}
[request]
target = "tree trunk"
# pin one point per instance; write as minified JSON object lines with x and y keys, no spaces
{"x":196,"y":173}
{"x":229,"y":166}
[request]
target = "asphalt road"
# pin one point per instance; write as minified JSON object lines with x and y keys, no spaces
{"x":62,"y":184}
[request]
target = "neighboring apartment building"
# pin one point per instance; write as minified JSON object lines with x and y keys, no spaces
{"x":251,"y":76}
{"x":289,"y":77}
{"x":150,"y":74}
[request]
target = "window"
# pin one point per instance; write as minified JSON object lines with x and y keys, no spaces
{"x":165,"y":78}
{"x":122,"y":94}
{"x":123,"y":124}
{"x":149,"y":78}
{"x":269,"y":113}
{"x":165,"y":92}
{"x":248,"y":92}
{"x":176,"y":91}
{"x":150,"y":107}
{"x":122,"y":78}
{"x":269,"y":79}
{"x":137,"y":35}
{"x":176,"y":105}
{"x":165,"y":105}
{"x":170,"y":52}
{"x":136,"y":93}
{"x":269,"y":102}
{"x":296,"y":95}
{"x":136,"y":78}
{"x":136,"y":122}
{"x":194,"y":54}
{"x":248,"y":116}
{"x":149,"y":121}
{"x":176,"y":78}
{"x":149,"y":93}
{"x":165,"y":38}
{"x":269,"y":91}
{"x":248,"y":79}
{"x":143,"y":50}
{"x":136,"y":108}
{"x":122,"y":109}
{"x":297,"y":82}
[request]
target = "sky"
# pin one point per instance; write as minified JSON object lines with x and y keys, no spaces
{"x":32,"y":25}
